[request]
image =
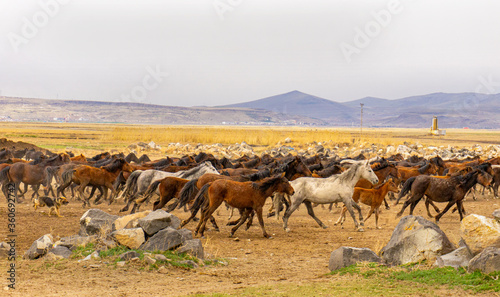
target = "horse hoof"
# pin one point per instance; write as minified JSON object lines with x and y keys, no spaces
{"x":379,"y":228}
{"x":361,"y":230}
{"x":387,"y":207}
{"x":216,"y":230}
{"x":287,"y":229}
{"x":324,"y":226}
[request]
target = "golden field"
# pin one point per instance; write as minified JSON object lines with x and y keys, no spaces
{"x":91,"y":138}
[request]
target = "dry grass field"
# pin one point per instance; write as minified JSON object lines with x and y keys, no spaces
{"x":94,"y":138}
{"x":290,"y":264}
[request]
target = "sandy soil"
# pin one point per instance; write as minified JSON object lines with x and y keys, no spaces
{"x":298,"y":257}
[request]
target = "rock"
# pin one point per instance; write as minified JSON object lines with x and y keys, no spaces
{"x":190,"y":263}
{"x":288,"y":140}
{"x":39,"y":247}
{"x":60,"y":251}
{"x":480,"y":232}
{"x":163,"y":270}
{"x":123,"y":222}
{"x":96,"y":222}
{"x":163,"y":240}
{"x":192,"y":247}
{"x":149,"y":260}
{"x":186,"y":234}
{"x":108,"y":243}
{"x":75,"y":241}
{"x":157,"y":220}
{"x":131,"y":238}
{"x":496,"y":215}
{"x":4,"y":250}
{"x":120,"y":263}
{"x":415,"y":239}
{"x":52,"y":257}
{"x":160,"y":257}
{"x":487,"y":261}
{"x":345,"y":256}
{"x":129,"y":255}
{"x":458,"y":258}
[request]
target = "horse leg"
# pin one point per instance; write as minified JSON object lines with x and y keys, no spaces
{"x":341,"y":217}
{"x":461,"y":210}
{"x":350,"y":209}
{"x":214,"y":224}
{"x":448,"y":206}
{"x":294,"y":205}
{"x":377,"y":212}
{"x":206,"y":214}
{"x":386,"y":204}
{"x":310,"y":211}
{"x":407,"y":203}
{"x":250,"y":220}
{"x":242,"y":220}
{"x":261,"y":221}
{"x":372,"y":210}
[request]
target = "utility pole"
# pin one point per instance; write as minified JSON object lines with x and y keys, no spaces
{"x":361,"y":119}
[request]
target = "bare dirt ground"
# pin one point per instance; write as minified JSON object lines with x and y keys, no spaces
{"x":298,"y":257}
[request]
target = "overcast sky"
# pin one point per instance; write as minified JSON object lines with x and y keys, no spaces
{"x":215,"y":52}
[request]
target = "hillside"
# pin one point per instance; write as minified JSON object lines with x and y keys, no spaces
{"x":298,"y":103}
{"x":42,"y":110}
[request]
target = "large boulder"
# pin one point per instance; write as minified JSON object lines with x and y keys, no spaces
{"x":458,"y":258}
{"x":96,"y":222}
{"x":158,"y":220}
{"x":39,"y":247}
{"x":487,"y":261}
{"x":345,"y":256}
{"x":163,"y":240}
{"x":186,"y":234}
{"x":415,"y":239}
{"x":131,"y":238}
{"x":480,"y":232}
{"x":75,"y":241}
{"x":129,"y":220}
{"x":192,"y":247}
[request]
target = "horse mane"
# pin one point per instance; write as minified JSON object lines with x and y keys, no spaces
{"x":257,"y":175}
{"x":115,"y":165}
{"x":349,"y":173}
{"x":381,"y":166}
{"x":266,"y":183}
{"x":424,"y":168}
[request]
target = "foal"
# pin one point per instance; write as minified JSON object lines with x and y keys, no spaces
{"x":371,"y":197}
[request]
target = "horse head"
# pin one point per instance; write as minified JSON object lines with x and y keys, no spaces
{"x":367,"y":172}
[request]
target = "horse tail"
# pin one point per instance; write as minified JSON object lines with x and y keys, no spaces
{"x":406,"y":188}
{"x":187,"y":193}
{"x":50,"y":172}
{"x":67,"y":178}
{"x":130,"y":185}
{"x":151,"y":190}
{"x":4,"y":175}
{"x":200,"y":199}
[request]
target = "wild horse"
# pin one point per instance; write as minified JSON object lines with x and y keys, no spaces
{"x":336,"y":188}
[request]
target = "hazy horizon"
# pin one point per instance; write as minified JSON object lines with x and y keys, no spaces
{"x":220,"y":52}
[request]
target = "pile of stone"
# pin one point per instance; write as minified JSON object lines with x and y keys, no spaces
{"x":416,"y":239}
{"x":148,"y":231}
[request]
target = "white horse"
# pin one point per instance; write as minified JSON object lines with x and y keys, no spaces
{"x":139,"y":181}
{"x":336,"y":188}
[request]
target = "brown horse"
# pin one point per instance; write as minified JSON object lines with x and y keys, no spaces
{"x":31,"y":174}
{"x":371,"y":197}
{"x":404,"y":173}
{"x":169,"y":188}
{"x":242,"y":195}
{"x":84,"y":175}
{"x":451,"y":190}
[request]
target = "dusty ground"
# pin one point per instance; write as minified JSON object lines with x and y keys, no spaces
{"x":298,"y":257}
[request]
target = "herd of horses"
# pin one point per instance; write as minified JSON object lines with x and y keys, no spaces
{"x":204,"y":182}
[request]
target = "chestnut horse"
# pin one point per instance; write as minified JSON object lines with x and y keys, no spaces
{"x":31,"y":173}
{"x":84,"y":175}
{"x":371,"y":197}
{"x":249,"y":196}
